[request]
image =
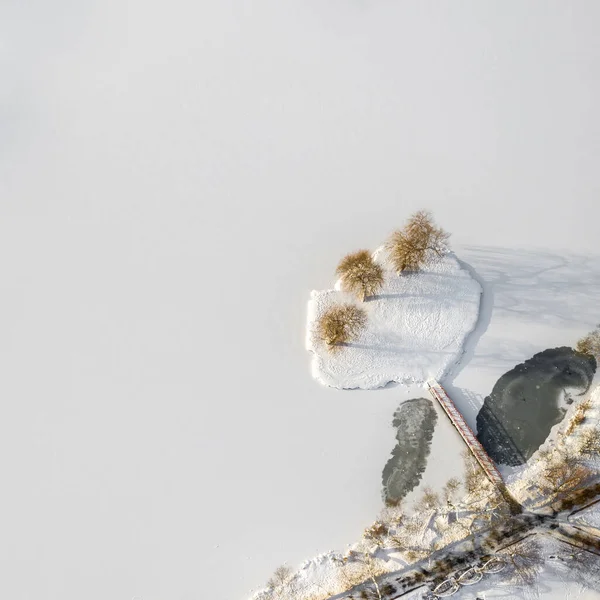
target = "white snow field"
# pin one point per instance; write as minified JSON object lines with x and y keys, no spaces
{"x":175,"y":177}
{"x":416,"y":327}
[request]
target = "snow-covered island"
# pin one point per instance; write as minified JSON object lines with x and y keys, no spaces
{"x":416,"y":326}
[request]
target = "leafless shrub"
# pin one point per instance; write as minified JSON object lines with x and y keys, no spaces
{"x":590,"y":344}
{"x":588,"y":442}
{"x":579,"y":416}
{"x":408,"y":538}
{"x":362,"y":568}
{"x":562,"y":474}
{"x":280,"y":577}
{"x":476,"y":482}
{"x":410,"y":247}
{"x":429,"y":500}
{"x":376,"y":532}
{"x":450,"y":489}
{"x":484,"y":499}
{"x":360,"y":274}
{"x":473,"y":473}
{"x":341,"y":324}
{"x":393,"y":516}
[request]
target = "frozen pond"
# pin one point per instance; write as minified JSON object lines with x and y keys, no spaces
{"x":415,"y":423}
{"x":516,"y":418}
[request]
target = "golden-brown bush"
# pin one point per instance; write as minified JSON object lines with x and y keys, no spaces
{"x":360,"y":274}
{"x":376,"y":532}
{"x":590,"y":344}
{"x":409,"y":248}
{"x":588,"y":442}
{"x":579,"y":416}
{"x":341,"y":323}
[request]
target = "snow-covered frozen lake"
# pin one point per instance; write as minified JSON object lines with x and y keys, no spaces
{"x":174,"y":180}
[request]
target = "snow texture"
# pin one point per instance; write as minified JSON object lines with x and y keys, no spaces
{"x":417,"y":326}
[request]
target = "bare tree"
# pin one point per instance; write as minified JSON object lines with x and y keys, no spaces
{"x":450,"y":490}
{"x":525,"y":559}
{"x":376,"y":532}
{"x":484,"y":500}
{"x":429,"y":500}
{"x":280,"y":577}
{"x":409,"y":537}
{"x":341,"y":324}
{"x":393,"y":515}
{"x":360,"y":274}
{"x":590,"y":344}
{"x":362,"y":567}
{"x":409,"y":248}
{"x":588,"y":442}
{"x":561,"y":475}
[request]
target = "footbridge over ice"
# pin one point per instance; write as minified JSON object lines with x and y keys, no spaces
{"x":470,"y":439}
{"x":478,"y":451}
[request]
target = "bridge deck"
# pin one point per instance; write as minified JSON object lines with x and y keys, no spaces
{"x":490,"y":469}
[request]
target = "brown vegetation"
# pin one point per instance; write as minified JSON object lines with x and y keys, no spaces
{"x":376,"y":532}
{"x":362,"y":568}
{"x":590,"y":344}
{"x":588,"y":442}
{"x":579,"y":415}
{"x":409,"y":248}
{"x":561,"y":476}
{"x":341,"y":324}
{"x":360,"y":274}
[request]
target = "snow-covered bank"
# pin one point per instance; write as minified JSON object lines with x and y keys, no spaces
{"x":416,"y":328}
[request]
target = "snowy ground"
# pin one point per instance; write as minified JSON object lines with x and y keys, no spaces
{"x":416,"y":327}
{"x":565,"y":569}
{"x":175,"y":179}
{"x":533,"y":300}
{"x":557,"y":580}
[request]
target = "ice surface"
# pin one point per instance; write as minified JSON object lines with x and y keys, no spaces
{"x":175,"y":179}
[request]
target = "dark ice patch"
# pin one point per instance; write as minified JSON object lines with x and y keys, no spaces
{"x":529,"y":400}
{"x":414,"y":422}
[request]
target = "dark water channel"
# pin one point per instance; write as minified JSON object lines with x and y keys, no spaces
{"x":516,"y":418}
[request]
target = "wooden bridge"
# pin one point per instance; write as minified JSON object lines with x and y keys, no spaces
{"x":487,"y":464}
